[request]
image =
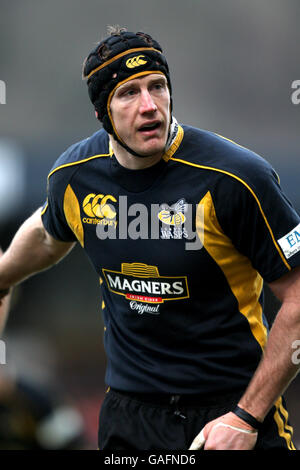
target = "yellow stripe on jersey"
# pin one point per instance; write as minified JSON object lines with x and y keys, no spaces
{"x":235,"y":143}
{"x":79,"y":162}
{"x":244,"y":281}
{"x":72,"y":164}
{"x":251,"y":191}
{"x":72,"y":214}
{"x":281,"y":418}
{"x":229,"y":140}
{"x":45,"y":208}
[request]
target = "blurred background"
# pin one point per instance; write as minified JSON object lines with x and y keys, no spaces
{"x":232,"y":66}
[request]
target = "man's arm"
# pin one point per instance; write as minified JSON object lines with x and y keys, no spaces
{"x":32,"y":250}
{"x":4,"y":306}
{"x":277,"y":369}
{"x":273,"y":375}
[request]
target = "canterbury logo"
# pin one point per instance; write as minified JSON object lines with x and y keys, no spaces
{"x":136,"y":61}
{"x":97,"y":205}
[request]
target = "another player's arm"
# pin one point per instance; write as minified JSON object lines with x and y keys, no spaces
{"x":32,"y":250}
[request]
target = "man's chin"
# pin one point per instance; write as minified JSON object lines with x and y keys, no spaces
{"x":151,"y":154}
{"x":149,"y":150}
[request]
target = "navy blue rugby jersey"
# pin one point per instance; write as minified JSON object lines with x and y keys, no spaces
{"x":181,"y":250}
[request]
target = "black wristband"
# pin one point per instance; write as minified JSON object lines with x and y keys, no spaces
{"x":247,"y":417}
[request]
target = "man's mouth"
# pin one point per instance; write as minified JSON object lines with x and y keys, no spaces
{"x":150,"y":127}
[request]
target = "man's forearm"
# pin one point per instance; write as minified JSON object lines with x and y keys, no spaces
{"x":4,"y":306}
{"x":31,"y":250}
{"x":276,"y":369}
{"x":4,"y":309}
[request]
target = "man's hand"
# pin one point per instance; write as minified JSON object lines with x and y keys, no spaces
{"x":228,"y":432}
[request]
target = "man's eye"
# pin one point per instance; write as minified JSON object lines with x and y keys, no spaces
{"x":130,"y":92}
{"x":158,"y":86}
{"x":125,"y":93}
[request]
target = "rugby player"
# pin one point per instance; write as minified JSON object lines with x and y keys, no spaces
{"x":190,"y":359}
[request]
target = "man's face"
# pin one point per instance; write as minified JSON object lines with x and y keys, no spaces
{"x":140,"y":109}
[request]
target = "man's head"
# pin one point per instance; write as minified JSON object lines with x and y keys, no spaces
{"x":121,"y":61}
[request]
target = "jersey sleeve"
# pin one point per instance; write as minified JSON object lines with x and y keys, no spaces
{"x":260,"y":220}
{"x":53,"y":216}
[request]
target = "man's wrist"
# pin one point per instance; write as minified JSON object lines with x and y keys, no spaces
{"x":247,"y":417}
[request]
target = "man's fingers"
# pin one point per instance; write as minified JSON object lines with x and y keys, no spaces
{"x":199,"y":441}
{"x":235,"y":428}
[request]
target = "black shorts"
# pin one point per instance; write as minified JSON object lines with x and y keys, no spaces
{"x":159,"y":422}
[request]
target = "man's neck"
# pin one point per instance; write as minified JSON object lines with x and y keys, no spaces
{"x":130,"y":161}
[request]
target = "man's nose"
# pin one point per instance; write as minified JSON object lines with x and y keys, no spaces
{"x":147,"y":104}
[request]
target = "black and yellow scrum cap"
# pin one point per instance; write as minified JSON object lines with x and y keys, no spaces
{"x":114,"y":60}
